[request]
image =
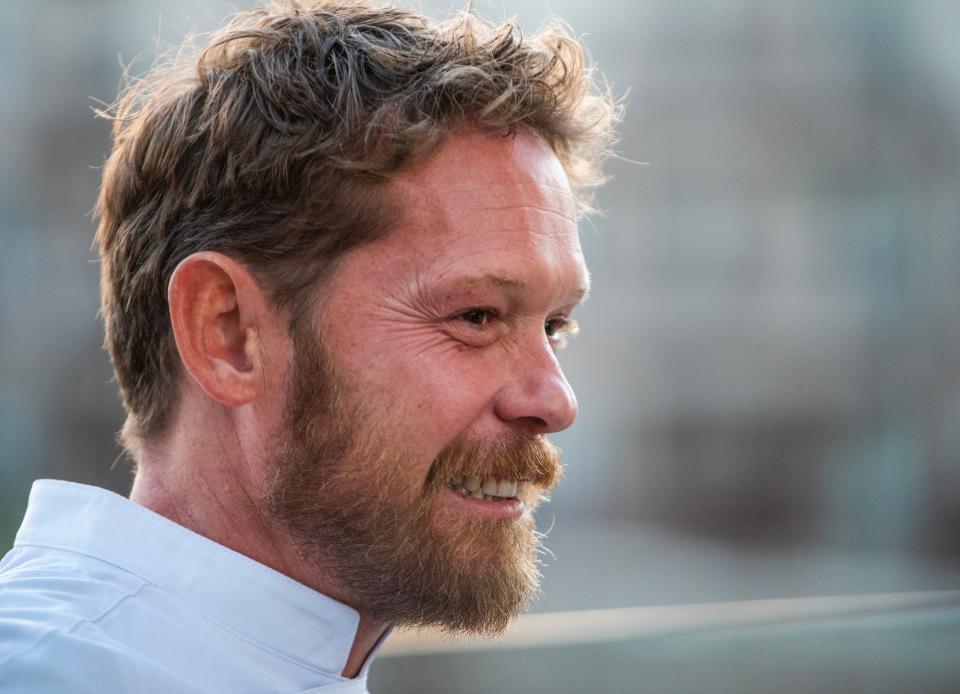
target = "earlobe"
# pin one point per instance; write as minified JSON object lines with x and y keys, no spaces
{"x":210,"y":297}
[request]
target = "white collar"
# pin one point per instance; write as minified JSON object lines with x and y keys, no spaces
{"x":247,"y":597}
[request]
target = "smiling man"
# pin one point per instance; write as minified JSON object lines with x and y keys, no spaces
{"x":339,"y":256}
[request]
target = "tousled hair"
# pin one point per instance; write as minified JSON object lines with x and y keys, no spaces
{"x":273,"y":142}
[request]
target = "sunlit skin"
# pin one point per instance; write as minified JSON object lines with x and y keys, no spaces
{"x":450,"y":325}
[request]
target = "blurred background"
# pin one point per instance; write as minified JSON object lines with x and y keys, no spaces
{"x":769,"y":364}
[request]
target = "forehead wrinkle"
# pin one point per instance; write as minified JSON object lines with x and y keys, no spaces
{"x":533,"y":208}
{"x":425,"y":196}
{"x":502,"y":281}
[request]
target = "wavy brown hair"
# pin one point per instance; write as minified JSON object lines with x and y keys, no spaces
{"x":273,"y":141}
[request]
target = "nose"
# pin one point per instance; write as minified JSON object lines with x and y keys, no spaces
{"x":537,"y":396}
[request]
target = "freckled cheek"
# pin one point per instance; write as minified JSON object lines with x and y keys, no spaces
{"x":444,"y":398}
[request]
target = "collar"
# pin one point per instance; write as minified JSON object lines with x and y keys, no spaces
{"x":241,"y":594}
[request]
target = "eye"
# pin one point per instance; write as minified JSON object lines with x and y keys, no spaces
{"x":558,"y":329}
{"x":554,"y":326}
{"x":477,"y":318}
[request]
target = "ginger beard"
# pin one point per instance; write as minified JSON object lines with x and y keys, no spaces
{"x":401,"y":551}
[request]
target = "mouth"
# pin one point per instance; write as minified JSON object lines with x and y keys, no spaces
{"x":501,"y":503}
{"x":490,"y":488}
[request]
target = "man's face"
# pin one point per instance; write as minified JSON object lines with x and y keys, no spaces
{"x":431,"y":367}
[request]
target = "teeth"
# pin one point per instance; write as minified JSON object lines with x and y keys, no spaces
{"x":489,"y":488}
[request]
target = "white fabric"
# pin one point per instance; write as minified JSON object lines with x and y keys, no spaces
{"x":100,"y":595}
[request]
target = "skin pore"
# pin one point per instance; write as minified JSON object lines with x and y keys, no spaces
{"x":431,"y":353}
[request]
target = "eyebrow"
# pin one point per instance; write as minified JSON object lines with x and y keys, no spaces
{"x":509,"y":282}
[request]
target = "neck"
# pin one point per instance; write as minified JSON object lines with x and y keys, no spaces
{"x":369,"y":632}
{"x":221,"y":508}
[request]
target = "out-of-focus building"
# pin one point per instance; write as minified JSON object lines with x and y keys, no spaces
{"x":771,"y":355}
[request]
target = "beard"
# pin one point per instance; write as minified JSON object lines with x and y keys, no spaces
{"x":344,"y":489}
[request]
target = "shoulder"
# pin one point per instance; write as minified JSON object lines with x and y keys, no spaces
{"x":51,"y":660}
{"x":63,"y":662}
{"x":53,"y":590}
{"x":50,"y":603}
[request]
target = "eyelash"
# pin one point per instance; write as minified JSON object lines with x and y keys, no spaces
{"x":561,"y":327}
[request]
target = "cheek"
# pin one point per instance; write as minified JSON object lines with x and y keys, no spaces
{"x":437,"y":394}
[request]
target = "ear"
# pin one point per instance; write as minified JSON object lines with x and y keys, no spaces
{"x":217,"y":309}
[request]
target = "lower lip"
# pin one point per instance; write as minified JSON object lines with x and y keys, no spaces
{"x":510,"y":508}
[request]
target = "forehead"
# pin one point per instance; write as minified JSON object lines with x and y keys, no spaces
{"x":474,"y":168}
{"x":491,"y":206}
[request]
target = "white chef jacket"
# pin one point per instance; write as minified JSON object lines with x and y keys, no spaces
{"x":100,"y":595}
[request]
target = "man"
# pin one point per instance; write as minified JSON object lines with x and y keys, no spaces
{"x":339,"y":253}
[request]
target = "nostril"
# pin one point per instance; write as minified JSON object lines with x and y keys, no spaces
{"x":535,"y":424}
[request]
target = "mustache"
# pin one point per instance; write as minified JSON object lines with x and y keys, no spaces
{"x":511,"y":457}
